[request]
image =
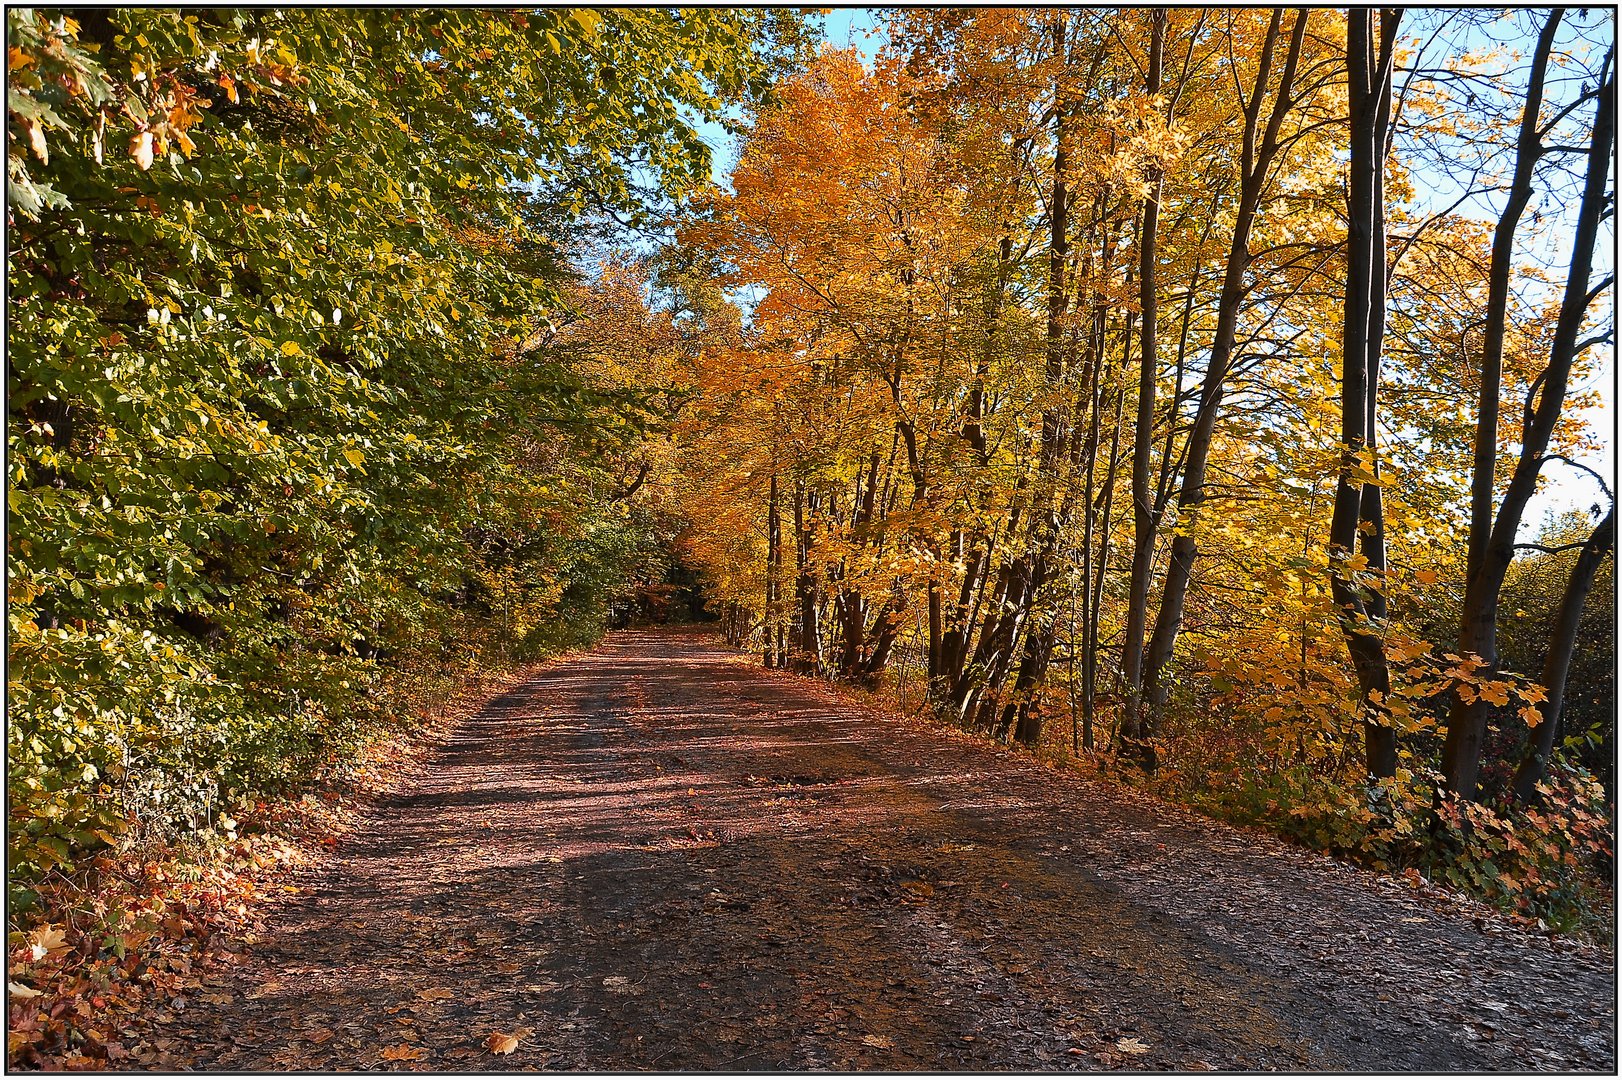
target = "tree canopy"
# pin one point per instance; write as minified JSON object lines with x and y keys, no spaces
{"x":287,"y":392}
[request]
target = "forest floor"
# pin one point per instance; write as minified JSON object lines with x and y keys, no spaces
{"x":659,"y":856}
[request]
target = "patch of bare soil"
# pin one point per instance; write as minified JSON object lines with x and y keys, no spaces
{"x":658,"y":856}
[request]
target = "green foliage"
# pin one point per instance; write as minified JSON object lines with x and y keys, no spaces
{"x":280,"y":421}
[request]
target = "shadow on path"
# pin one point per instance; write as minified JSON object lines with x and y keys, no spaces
{"x":657,"y":856}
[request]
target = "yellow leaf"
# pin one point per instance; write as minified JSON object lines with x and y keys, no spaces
{"x":292,"y":348}
{"x":1427,"y":577}
{"x":501,"y":1043}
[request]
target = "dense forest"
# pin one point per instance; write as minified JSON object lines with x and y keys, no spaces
{"x":300,"y":409}
{"x":1181,"y":381}
{"x":1176,"y":392}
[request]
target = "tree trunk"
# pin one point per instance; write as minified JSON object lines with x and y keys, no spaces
{"x":808,"y":647}
{"x":1528,"y":149}
{"x":1357,"y":496}
{"x":1260,"y":147}
{"x":1145,"y":523}
{"x":774,"y":571}
{"x":1557,"y":661}
{"x":1478,"y":621}
{"x":1090,"y":657}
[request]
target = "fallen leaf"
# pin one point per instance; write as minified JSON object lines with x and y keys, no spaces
{"x":18,"y":990}
{"x":437,"y":993}
{"x":1131,"y":1046}
{"x":879,"y":1042}
{"x":404,"y":1052}
{"x":319,"y":1035}
{"x":47,"y":939}
{"x":501,"y":1043}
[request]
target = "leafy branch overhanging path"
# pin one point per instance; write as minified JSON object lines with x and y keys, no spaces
{"x":658,"y":856}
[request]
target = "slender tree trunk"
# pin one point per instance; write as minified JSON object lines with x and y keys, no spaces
{"x":809,"y":645}
{"x":1461,"y":750}
{"x":1260,"y":147}
{"x":1144,"y":520}
{"x":774,"y":570}
{"x":1557,"y":661}
{"x":1478,"y":621}
{"x":1528,"y":150}
{"x":936,"y":625}
{"x":1089,"y":520}
{"x":1104,"y":530}
{"x":1357,"y":496}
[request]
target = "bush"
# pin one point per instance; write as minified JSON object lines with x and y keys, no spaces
{"x":1544,"y":862}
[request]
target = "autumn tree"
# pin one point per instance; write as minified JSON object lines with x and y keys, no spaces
{"x":1359,"y":515}
{"x":280,"y":430}
{"x":1492,"y":536}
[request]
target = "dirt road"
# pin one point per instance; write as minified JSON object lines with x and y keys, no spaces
{"x":657,"y":856}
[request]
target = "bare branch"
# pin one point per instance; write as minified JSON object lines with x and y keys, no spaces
{"x":1580,"y":467}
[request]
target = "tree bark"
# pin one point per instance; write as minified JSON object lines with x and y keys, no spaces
{"x":1528,"y":150}
{"x":1261,"y":145}
{"x":774,"y":571}
{"x":1557,"y":661}
{"x":1478,"y":621}
{"x":1145,"y":522}
{"x":1358,"y":511}
{"x":808,"y":645}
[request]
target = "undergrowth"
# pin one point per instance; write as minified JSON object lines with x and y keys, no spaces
{"x":135,"y":924}
{"x":1546,"y":866}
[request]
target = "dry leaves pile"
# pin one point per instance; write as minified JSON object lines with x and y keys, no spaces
{"x":122,"y":934}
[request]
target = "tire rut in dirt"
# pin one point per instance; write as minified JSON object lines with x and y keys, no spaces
{"x":656,"y":856}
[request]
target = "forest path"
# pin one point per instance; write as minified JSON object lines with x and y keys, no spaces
{"x":658,"y":856}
